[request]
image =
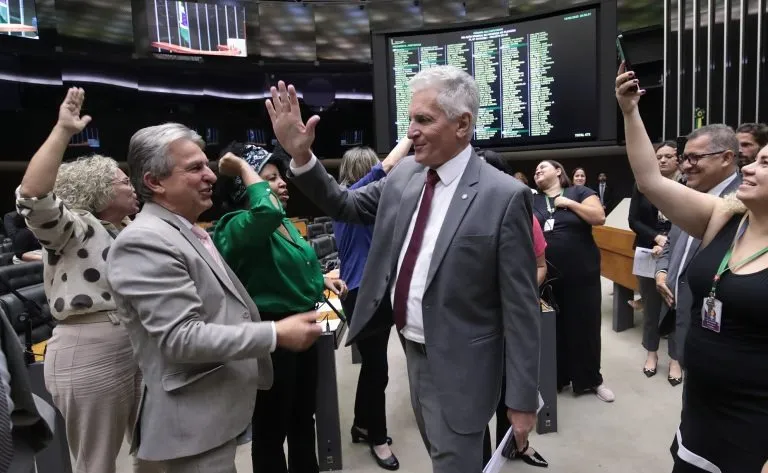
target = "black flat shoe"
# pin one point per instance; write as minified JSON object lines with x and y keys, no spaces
{"x":360,"y":436}
{"x":674,"y":381}
{"x":649,"y":372}
{"x":390,"y":463}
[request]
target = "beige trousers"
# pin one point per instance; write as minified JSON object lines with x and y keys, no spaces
{"x":96,"y":384}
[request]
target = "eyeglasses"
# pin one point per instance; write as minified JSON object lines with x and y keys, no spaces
{"x":694,"y":158}
{"x":125,"y":181}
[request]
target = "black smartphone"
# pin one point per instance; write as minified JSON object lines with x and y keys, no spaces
{"x":622,"y":51}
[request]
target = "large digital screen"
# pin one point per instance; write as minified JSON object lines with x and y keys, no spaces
{"x":177,"y":27}
{"x":537,"y":78}
{"x":18,"y":18}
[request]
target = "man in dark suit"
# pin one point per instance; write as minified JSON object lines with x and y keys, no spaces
{"x":28,"y":420}
{"x":451,"y":264}
{"x":606,"y":193}
{"x":710,"y":165}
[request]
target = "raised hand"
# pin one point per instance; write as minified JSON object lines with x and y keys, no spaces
{"x":231,"y":165}
{"x":294,"y":135}
{"x":628,"y":91}
{"x":69,"y":112}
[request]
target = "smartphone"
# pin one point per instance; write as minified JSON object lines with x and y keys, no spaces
{"x":622,"y":52}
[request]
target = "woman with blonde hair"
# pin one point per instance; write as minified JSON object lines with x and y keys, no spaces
{"x":725,"y":401}
{"x":359,"y":167}
{"x":76,"y":210}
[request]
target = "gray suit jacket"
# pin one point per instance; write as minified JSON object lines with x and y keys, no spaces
{"x":196,"y":334}
{"x":671,"y":261}
{"x":480,"y":303}
{"x":33,"y":419}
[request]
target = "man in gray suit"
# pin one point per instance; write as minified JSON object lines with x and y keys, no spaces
{"x":710,"y":165}
{"x":196,"y":333}
{"x":451,"y":264}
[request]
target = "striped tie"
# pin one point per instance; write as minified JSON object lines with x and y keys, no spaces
{"x":6,"y":440}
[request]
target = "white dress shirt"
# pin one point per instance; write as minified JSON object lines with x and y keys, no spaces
{"x":716,"y":191}
{"x":272,"y":347}
{"x":450,"y":173}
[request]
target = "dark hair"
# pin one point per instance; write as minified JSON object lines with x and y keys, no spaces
{"x":565,"y":181}
{"x":759,"y":132}
{"x":668,"y":143}
{"x":579,"y":169}
{"x":523,"y":178}
{"x":494,"y":159}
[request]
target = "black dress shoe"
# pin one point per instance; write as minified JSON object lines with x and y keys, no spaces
{"x":360,"y":436}
{"x":390,"y":463}
{"x":674,"y":381}
{"x":649,"y":372}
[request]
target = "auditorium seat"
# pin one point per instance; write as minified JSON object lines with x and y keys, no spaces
{"x":14,"y":308}
{"x":315,"y":230}
{"x":323,"y":245}
{"x":322,"y":219}
{"x":328,"y":228}
{"x":6,"y":259}
{"x":6,"y":246}
{"x":20,"y":275}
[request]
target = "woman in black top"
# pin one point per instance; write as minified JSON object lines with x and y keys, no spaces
{"x":567,"y":214}
{"x":725,"y":407}
{"x":651,"y":228}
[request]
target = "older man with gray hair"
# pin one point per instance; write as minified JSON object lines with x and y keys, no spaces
{"x":451,"y":265}
{"x":196,"y":333}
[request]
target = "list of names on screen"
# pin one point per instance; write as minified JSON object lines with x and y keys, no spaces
{"x":537,"y":79}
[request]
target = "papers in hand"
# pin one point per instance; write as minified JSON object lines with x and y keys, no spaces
{"x":498,"y":460}
{"x":644,"y":264}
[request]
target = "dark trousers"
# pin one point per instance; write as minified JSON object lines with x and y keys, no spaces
{"x":370,"y":399}
{"x":502,"y":425}
{"x":578,"y":332}
{"x":287,"y":410}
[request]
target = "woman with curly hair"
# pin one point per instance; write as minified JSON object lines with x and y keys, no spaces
{"x":75,"y":210}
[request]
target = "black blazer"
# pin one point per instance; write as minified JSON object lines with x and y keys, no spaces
{"x":644,"y":220}
{"x":609,"y":197}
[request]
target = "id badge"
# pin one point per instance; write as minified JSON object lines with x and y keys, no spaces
{"x":712,"y":314}
{"x":549,"y":225}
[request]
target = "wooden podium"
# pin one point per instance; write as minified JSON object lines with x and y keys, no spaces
{"x":615,"y":242}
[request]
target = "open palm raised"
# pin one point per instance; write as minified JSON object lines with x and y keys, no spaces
{"x":69,"y":112}
{"x":294,"y":135}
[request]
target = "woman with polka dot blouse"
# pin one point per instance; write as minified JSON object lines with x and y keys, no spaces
{"x":76,"y":210}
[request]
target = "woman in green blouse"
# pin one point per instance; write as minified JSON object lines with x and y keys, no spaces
{"x":282,"y":274}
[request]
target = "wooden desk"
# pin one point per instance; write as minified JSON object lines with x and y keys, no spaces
{"x":616,"y":258}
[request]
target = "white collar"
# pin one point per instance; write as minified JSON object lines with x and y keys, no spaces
{"x":454,"y":167}
{"x":718,"y":189}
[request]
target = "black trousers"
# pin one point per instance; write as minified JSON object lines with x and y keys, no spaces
{"x":370,"y":399}
{"x":287,"y":410}
{"x":502,"y":425}
{"x":578,"y":332}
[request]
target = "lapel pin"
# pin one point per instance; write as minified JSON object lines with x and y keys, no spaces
{"x":463,"y":196}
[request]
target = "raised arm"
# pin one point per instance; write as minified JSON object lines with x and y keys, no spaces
{"x":251,"y":227}
{"x":665,"y":194}
{"x":41,"y":172}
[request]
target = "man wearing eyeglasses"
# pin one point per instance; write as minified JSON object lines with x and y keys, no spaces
{"x":710,"y":164}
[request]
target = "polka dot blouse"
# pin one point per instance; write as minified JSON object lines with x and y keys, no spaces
{"x":75,"y":246}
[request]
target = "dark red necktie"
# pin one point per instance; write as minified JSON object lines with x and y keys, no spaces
{"x":403,"y":284}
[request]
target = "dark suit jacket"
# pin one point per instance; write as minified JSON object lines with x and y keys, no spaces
{"x":643,"y":218}
{"x":610,"y":198}
{"x":480,"y":305}
{"x":33,"y":419}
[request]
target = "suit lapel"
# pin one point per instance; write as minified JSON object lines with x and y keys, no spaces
{"x":222,"y":275}
{"x":462,"y":199}
{"x":408,"y":203}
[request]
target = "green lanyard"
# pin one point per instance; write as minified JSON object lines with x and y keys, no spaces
{"x":550,"y":207}
{"x":724,"y":266}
